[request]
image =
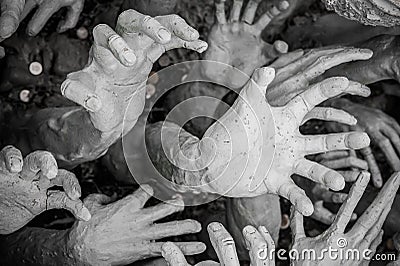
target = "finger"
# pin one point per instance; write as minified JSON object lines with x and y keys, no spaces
{"x":266,"y":18}
{"x":250,"y":11}
{"x":74,"y":90}
{"x":323,"y":193}
{"x":345,"y":212}
{"x":257,"y":86}
{"x":286,"y":59}
{"x":162,"y":210}
{"x":296,"y":224}
{"x":319,"y":174}
{"x":297,"y":197}
{"x":374,"y":245}
{"x":373,"y":167}
{"x":384,"y":199}
{"x":373,"y":233}
{"x":255,"y":243}
{"x":11,"y":159}
{"x":179,"y":27}
{"x":42,"y":15}
{"x":173,"y":255}
{"x":131,"y":21}
{"x":322,"y":91}
{"x":235,"y":11}
{"x":71,"y":18}
{"x":322,"y":214}
{"x":387,"y":149}
{"x":330,"y":114}
{"x":175,"y":228}
{"x":187,"y":248}
{"x":278,"y":48}
{"x":106,"y":37}
{"x":393,"y":136}
{"x":331,"y":155}
{"x":39,"y":162}
{"x":223,"y":244}
{"x":220,"y":11}
{"x":343,"y":163}
{"x":29,"y":6}
{"x":137,"y":199}
{"x":69,"y":182}
{"x":11,"y":11}
{"x":350,"y":176}
{"x":198,"y":45}
{"x":60,"y":200}
{"x":267,"y":237}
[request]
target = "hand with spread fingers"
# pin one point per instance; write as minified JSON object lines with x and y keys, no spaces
{"x":120,"y":63}
{"x":349,"y":167}
{"x":248,"y":168}
{"x":383,"y":130}
{"x":237,"y":41}
{"x":258,"y":242}
{"x":365,"y":235}
{"x":123,"y":232}
{"x":24,"y":188}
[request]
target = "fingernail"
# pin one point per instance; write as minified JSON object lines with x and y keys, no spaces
{"x":85,"y":214}
{"x":249,"y":229}
{"x":92,"y":103}
{"x":281,"y":47}
{"x":15,"y":164}
{"x":215,"y":226}
{"x":129,"y":57}
{"x":51,"y":172}
{"x":357,"y":140}
{"x":284,"y":5}
{"x":201,"y":49}
{"x":164,"y":35}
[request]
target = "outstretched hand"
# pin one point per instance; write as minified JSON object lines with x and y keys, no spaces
{"x":243,"y":139}
{"x":123,"y":232}
{"x":366,"y":234}
{"x":119,"y":64}
{"x":256,"y":240}
{"x":24,"y":188}
{"x":237,"y":41}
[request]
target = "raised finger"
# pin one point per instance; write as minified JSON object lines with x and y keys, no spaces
{"x":131,"y":21}
{"x":11,"y":159}
{"x":345,"y":212}
{"x":385,"y":197}
{"x":60,"y":200}
{"x":330,"y":114}
{"x":250,"y":11}
{"x":235,"y":10}
{"x":11,"y":11}
{"x":373,"y":166}
{"x":223,"y":244}
{"x":42,"y":15}
{"x":173,"y":255}
{"x":69,"y":182}
{"x":254,"y":243}
{"x":39,"y":162}
{"x":220,"y":11}
{"x":266,"y":18}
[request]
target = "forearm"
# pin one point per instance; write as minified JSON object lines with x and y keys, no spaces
{"x":36,"y":246}
{"x":69,"y":135}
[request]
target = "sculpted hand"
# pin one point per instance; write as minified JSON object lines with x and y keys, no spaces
{"x":349,"y":167}
{"x":224,"y":246}
{"x":11,"y":11}
{"x":237,"y":41}
{"x":123,"y":232}
{"x":365,"y":234}
{"x":24,"y":188}
{"x":382,"y":129}
{"x":119,"y":64}
{"x":254,"y":148}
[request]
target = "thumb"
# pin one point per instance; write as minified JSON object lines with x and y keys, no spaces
{"x":60,"y":200}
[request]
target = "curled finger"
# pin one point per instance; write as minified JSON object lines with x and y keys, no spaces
{"x":60,"y":200}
